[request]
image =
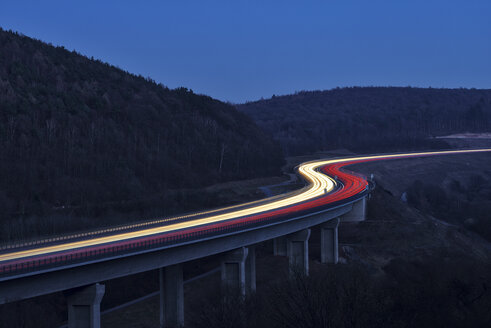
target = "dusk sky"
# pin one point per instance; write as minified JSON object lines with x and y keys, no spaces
{"x":244,"y":50}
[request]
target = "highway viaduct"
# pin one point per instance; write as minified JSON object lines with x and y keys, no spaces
{"x":76,"y":264}
{"x":84,"y":293}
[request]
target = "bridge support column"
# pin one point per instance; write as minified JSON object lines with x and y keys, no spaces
{"x":279,"y":246}
{"x":357,"y":213}
{"x":298,"y":251}
{"x":250,"y":270}
{"x":171,"y":296}
{"x":84,"y":306}
{"x":329,"y":241}
{"x":233,"y":268}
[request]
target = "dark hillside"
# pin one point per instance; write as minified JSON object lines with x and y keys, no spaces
{"x":370,"y":119}
{"x":75,"y":132}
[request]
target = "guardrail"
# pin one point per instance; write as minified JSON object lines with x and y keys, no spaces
{"x":172,"y":239}
{"x":349,"y":187}
{"x":80,"y":235}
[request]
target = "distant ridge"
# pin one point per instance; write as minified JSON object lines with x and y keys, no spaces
{"x":371,"y":118}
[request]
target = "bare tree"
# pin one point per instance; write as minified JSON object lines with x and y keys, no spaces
{"x":11,"y":125}
{"x":222,"y":153}
{"x":50,"y":129}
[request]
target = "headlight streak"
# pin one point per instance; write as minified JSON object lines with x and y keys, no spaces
{"x":320,"y":191}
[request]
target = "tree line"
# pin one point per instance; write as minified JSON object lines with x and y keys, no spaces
{"x":75,"y":132}
{"x":367,"y":119}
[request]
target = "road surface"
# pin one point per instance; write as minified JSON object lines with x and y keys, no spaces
{"x":327,"y":185}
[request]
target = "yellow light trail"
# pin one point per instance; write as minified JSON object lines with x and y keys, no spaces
{"x":319,"y":183}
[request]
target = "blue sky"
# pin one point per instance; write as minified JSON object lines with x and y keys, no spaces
{"x":243,"y":50}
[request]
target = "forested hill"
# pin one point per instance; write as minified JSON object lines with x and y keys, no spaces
{"x":371,"y":118}
{"x":76,"y":131}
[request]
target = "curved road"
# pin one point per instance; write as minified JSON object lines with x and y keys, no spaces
{"x":328,"y":185}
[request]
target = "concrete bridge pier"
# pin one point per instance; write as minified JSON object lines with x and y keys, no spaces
{"x":357,"y":213}
{"x":329,"y":241}
{"x":233,"y":271}
{"x":279,"y":246}
{"x":298,"y":251}
{"x":250,"y":270}
{"x":171,"y":296}
{"x":84,"y":306}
